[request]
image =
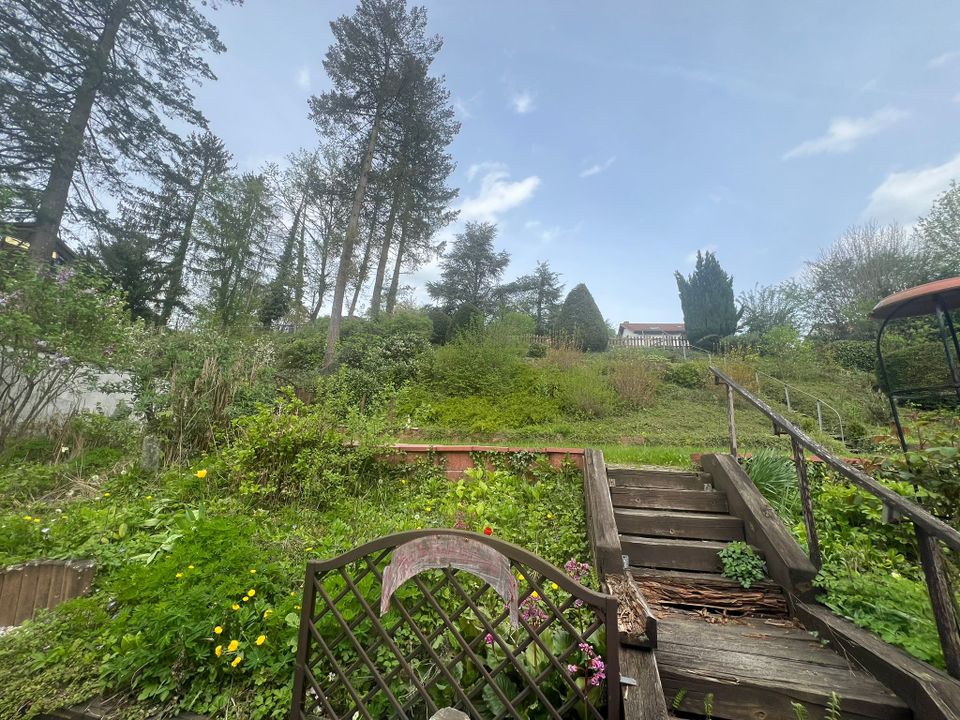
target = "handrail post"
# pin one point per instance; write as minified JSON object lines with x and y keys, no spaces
{"x":731,"y":423}
{"x":806,"y":502}
{"x":819,"y":417}
{"x":941,"y":599}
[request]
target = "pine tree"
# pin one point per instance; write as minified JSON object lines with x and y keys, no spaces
{"x":706,"y":297}
{"x":537,"y":294}
{"x":469,"y":273}
{"x":580,"y":320}
{"x":87,"y":88}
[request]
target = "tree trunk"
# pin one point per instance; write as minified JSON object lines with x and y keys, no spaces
{"x":53,"y":201}
{"x":346,"y":254}
{"x":376,"y":298}
{"x":180,"y":257}
{"x":301,"y":262}
{"x":395,"y":280}
{"x":364,"y":269}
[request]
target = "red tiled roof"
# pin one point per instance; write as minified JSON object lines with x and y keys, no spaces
{"x":653,"y":327}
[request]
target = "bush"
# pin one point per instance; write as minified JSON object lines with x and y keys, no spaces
{"x":537,"y":350}
{"x":440,"y":324}
{"x":854,"y":354}
{"x":920,"y":365}
{"x":685,"y":375}
{"x":635,"y":381}
{"x":580,"y":319}
{"x":477,"y":362}
{"x":467,"y":317}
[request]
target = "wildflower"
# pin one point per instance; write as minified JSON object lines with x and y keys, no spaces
{"x":520,"y":577}
{"x":106,"y":494}
{"x":246,"y":599}
{"x":234,"y":607}
{"x":296,"y":607}
{"x":488,"y":639}
{"x":549,"y":516}
{"x":531,"y":611}
{"x":217,"y":630}
{"x":309,"y":549}
{"x":201,"y":473}
{"x":232,"y":647}
{"x":292,"y":594}
{"x":218,"y":650}
{"x":253,"y":571}
{"x":64,"y":449}
{"x":251,"y":592}
{"x":189,"y":567}
{"x":554,"y":586}
{"x":36,"y":520}
{"x":267,"y":613}
{"x":261,"y":639}
{"x":428,"y":508}
{"x":236,"y":661}
{"x":179,"y":575}
{"x":535,"y":594}
{"x":149,"y":497}
{"x":488,"y":531}
{"x":572,"y":669}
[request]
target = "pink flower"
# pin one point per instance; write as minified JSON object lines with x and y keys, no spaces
{"x":572,"y":669}
{"x":488,"y":639}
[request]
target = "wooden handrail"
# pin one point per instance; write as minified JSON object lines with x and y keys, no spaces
{"x":906,"y":508}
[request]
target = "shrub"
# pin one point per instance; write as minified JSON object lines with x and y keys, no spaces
{"x":635,"y":381}
{"x":776,"y":478}
{"x":439,"y":326}
{"x":580,"y":319}
{"x":583,"y":392}
{"x":477,"y":362}
{"x":742,"y":564}
{"x":853,"y":354}
{"x":537,"y":350}
{"x":920,"y":365}
{"x":466,"y":318}
{"x":686,"y":375}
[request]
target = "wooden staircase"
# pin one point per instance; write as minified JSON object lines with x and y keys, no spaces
{"x":737,"y":650}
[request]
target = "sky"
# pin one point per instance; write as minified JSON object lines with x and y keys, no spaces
{"x":615,"y":139}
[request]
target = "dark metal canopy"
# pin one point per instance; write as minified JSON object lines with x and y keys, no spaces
{"x":920,"y":300}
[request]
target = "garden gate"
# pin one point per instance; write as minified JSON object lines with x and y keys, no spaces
{"x":464,"y":621}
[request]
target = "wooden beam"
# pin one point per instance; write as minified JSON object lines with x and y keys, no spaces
{"x":601,"y":523}
{"x":643,"y":701}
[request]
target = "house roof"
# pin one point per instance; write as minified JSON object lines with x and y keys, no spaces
{"x":653,"y":327}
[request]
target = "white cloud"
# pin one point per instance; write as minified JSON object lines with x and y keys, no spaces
{"x":303,"y":77}
{"x":691,"y":257}
{"x":943,"y":59}
{"x":522,"y":102}
{"x":598,"y":168}
{"x":845,"y":133}
{"x":956,"y":98}
{"x":497,"y":194}
{"x":531,"y":224}
{"x":905,"y":196}
{"x":460,"y":107}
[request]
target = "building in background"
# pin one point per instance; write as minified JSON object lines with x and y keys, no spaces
{"x":652,"y":334}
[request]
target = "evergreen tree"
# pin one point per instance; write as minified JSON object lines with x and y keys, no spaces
{"x":709,"y":312}
{"x":537,"y":294}
{"x":581,"y":321}
{"x":469,"y":273}
{"x":86,"y":88}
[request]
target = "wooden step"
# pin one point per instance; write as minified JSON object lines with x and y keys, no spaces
{"x":696,"y":591}
{"x":709,"y":501}
{"x":694,"y":525}
{"x":696,"y":555}
{"x":676,"y":479}
{"x":757,"y":669}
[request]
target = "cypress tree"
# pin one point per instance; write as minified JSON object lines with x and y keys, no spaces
{"x":709,"y":312}
{"x":580,"y":320}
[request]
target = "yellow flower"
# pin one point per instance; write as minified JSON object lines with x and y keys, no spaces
{"x":292,"y":594}
{"x":534,"y":593}
{"x":218,"y":650}
{"x":309,"y":549}
{"x":549,"y":516}
{"x":232,"y":647}
{"x":246,"y":599}
{"x":179,"y":575}
{"x":261,"y":639}
{"x":428,"y":508}
{"x":234,"y":607}
{"x":189,"y":567}
{"x":217,"y":630}
{"x":149,"y":497}
{"x":201,"y":474}
{"x":236,"y":661}
{"x":520,"y":577}
{"x":253,"y":571}
{"x":251,"y":592}
{"x":267,"y":613}
{"x":36,"y":520}
{"x":554,"y":586}
{"x":296,"y":607}
{"x":106,"y":494}
{"x":27,"y":518}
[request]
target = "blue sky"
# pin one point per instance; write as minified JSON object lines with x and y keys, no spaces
{"x":614,"y":139}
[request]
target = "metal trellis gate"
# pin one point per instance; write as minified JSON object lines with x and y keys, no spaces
{"x":410,"y":623}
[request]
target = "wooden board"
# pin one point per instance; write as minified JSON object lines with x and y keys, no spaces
{"x":668,"y":499}
{"x":643,"y":701}
{"x":697,"y":555}
{"x":751,"y":670}
{"x":679,"y":524}
{"x":601,"y":524}
{"x":635,"y":619}
{"x":787,"y":564}
{"x":709,"y":591}
{"x":932,"y":694}
{"x":633,"y":477}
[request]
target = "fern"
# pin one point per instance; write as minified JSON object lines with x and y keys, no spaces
{"x":799,"y":711}
{"x":678,"y":698}
{"x":833,"y":707}
{"x":708,"y":706}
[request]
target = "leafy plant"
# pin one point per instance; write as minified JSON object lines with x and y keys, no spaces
{"x":741,"y":563}
{"x":685,"y":375}
{"x":776,"y":478}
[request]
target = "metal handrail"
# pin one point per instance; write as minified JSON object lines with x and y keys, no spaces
{"x":809,"y":395}
{"x":931,"y":524}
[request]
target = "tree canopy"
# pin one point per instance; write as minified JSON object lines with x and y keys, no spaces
{"x":470,"y":271}
{"x":581,"y":321}
{"x":706,"y":297}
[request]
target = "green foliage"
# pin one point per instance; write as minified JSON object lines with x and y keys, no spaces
{"x":854,"y":354}
{"x":776,"y":478}
{"x":635,"y":380}
{"x":477,"y":362}
{"x":741,"y":563}
{"x":833,"y":707}
{"x":580,"y":320}
{"x":921,"y":364}
{"x":706,"y":297}
{"x":686,"y":375}
{"x":468,"y":317}
{"x":440,"y":324}
{"x":59,"y":327}
{"x":469,"y":272}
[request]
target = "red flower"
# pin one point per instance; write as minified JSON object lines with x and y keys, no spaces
{"x":487,"y":531}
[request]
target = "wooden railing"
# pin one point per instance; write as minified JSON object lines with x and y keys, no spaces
{"x":930,"y":530}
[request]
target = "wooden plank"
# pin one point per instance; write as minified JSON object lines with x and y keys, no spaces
{"x":55,"y":596}
{"x":28,"y":593}
{"x":668,"y":499}
{"x":696,"y":590}
{"x":942,"y":599}
{"x":640,"y":477}
{"x":643,"y":701}
{"x":786,"y":562}
{"x":930,"y":693}
{"x":45,"y":573}
{"x":13,"y":577}
{"x":601,"y":523}
{"x":700,"y":526}
{"x":635,"y":619}
{"x":698,"y":555}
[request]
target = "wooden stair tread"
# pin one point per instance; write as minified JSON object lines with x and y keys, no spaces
{"x":657,"y":477}
{"x":679,"y":523}
{"x":695,"y":591}
{"x":673,"y":553}
{"x":669,"y":499}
